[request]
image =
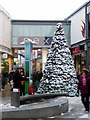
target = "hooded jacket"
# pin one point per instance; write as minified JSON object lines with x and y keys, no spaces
{"x":83,"y":88}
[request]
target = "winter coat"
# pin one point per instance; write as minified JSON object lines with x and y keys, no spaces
{"x":81,"y":87}
{"x":17,"y":81}
{"x":39,"y":76}
{"x":88,"y":83}
{"x":23,"y":79}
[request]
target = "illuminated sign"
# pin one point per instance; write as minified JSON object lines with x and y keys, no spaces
{"x":75,"y":50}
{"x":79,"y":49}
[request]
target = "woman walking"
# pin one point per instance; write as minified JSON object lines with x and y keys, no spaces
{"x":83,"y":87}
{"x":23,"y":79}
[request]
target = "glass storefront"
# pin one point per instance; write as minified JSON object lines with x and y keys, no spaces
{"x":79,"y":57}
{"x":37,"y":30}
{"x":43,"y":33}
{"x":4,"y":64}
{"x":80,"y":62}
{"x":19,"y":62}
{"x":38,"y":62}
{"x":4,"y":70}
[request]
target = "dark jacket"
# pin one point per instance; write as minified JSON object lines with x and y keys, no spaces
{"x":17,"y":81}
{"x":23,"y":79}
{"x":88,"y":83}
{"x":81,"y":87}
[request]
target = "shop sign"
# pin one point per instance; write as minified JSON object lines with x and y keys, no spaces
{"x":75,"y":50}
{"x":5,"y":56}
{"x":41,"y":41}
{"x":37,"y":39}
{"x":48,"y":40}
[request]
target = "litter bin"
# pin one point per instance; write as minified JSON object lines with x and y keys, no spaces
{"x":15,"y":98}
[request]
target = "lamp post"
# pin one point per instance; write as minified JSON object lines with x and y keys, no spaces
{"x":28,"y":58}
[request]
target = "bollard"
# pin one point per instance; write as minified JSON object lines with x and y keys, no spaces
{"x":15,"y":98}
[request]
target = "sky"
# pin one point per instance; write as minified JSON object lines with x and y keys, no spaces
{"x":41,"y":9}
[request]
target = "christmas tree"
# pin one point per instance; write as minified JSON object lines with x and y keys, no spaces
{"x":59,"y":74}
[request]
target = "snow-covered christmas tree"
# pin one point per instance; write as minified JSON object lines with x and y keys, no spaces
{"x":59,"y":74}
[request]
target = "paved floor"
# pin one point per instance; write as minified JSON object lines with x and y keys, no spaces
{"x":76,"y":110}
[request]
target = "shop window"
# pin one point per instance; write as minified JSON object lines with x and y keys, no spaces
{"x":81,"y":47}
{"x":14,"y":41}
{"x":15,"y":30}
{"x":38,"y":66}
{"x":4,"y":66}
{"x":83,"y":61}
{"x":20,"y":30}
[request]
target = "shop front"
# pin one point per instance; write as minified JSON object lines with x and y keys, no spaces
{"x":79,"y":56}
{"x":38,"y":61}
{"x":42,"y":33}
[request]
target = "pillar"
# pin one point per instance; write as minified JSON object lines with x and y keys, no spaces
{"x":10,"y":63}
{"x":44,"y":58}
{"x":0,"y":62}
{"x":28,"y":61}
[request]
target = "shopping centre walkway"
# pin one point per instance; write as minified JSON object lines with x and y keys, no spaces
{"x":76,"y":110}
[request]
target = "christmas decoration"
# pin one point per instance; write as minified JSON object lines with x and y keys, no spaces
{"x":59,"y":74}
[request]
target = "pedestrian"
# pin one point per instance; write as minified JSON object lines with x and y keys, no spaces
{"x":23,"y":79}
{"x":40,"y":74}
{"x":3,"y":83}
{"x":6,"y":77}
{"x":35,"y":81}
{"x":17,"y":80}
{"x":83,"y":87}
{"x":11,"y":74}
{"x":37,"y":78}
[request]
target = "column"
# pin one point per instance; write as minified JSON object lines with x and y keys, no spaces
{"x":28,"y":61}
{"x":44,"y":58}
{"x":10,"y":63}
{"x":0,"y":62}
